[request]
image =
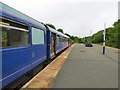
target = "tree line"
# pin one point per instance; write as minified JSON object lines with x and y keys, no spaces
{"x":72,"y":38}
{"x":112,"y":36}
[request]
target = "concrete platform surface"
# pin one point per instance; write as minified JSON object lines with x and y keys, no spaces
{"x":87,"y":67}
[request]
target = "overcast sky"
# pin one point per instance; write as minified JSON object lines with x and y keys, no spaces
{"x":75,"y":17}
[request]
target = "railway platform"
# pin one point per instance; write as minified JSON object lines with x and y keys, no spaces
{"x":80,"y":67}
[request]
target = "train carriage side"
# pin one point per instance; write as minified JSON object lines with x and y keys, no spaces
{"x":61,"y":42}
{"x":23,"y":44}
{"x":51,"y":43}
{"x":58,"y":42}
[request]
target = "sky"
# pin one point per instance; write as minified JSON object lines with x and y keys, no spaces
{"x":76,"y":17}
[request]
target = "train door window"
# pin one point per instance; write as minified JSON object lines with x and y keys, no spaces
{"x":53,"y":43}
{"x":37,"y":36}
{"x":58,"y":39}
{"x":13,"y":36}
{"x":62,"y":39}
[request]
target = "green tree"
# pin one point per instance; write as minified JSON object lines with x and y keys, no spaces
{"x":98,"y":37}
{"x":60,"y":30}
{"x":112,"y":35}
{"x":68,"y":35}
{"x":52,"y":26}
{"x":117,"y":33}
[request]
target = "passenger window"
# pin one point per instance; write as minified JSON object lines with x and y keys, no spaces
{"x":4,"y":38}
{"x":58,"y":39}
{"x":37,"y":36}
{"x":13,"y":37}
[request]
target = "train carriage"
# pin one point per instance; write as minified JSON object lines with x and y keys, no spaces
{"x":26,"y":43}
{"x":21,"y":48}
{"x":58,"y":41}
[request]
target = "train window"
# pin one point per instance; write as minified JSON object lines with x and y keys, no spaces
{"x":58,"y":39}
{"x":13,"y":37}
{"x":62,"y":39}
{"x":37,"y":36}
{"x":65,"y":39}
{"x":13,"y":23}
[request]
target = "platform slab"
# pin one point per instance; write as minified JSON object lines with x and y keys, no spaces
{"x":87,"y":67}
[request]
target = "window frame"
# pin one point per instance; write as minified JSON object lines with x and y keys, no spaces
{"x":17,"y":29}
{"x":58,"y":39}
{"x":32,"y":35}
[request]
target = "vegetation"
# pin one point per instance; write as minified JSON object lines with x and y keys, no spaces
{"x":52,"y":26}
{"x":112,"y":36}
{"x":72,"y":38}
{"x":60,"y":30}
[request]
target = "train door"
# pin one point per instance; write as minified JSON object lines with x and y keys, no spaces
{"x":53,"y":45}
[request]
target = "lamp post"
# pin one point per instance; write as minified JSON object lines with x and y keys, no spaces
{"x":104,"y":33}
{"x":91,"y":36}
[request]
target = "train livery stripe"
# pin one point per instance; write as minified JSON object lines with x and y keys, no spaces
{"x":22,"y":69}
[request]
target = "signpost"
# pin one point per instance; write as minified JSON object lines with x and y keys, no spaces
{"x":104,"y":33}
{"x":91,"y":36}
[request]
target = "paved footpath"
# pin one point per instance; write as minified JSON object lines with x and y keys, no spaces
{"x":87,"y":67}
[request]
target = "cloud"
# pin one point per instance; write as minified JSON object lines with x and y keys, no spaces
{"x":76,"y":17}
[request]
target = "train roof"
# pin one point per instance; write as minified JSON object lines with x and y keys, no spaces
{"x":15,"y":13}
{"x":57,"y":32}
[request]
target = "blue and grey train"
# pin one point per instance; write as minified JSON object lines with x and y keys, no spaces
{"x":26,"y":43}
